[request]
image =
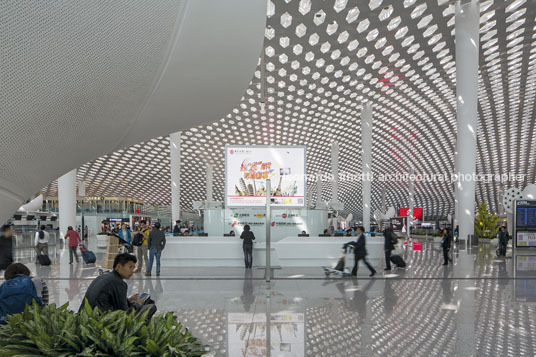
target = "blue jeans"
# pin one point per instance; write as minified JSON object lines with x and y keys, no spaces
{"x":152,"y":253}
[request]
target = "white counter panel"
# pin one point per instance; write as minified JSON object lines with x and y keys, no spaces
{"x":321,"y":251}
{"x":289,"y":252}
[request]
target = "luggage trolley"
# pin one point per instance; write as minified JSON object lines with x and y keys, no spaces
{"x":340,"y":269}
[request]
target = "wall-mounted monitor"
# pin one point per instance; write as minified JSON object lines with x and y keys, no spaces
{"x":17,"y":217}
{"x":30,"y":217}
{"x":42,"y":218}
{"x":54,"y":218}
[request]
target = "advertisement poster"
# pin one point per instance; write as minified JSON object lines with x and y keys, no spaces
{"x":248,"y":167}
{"x":526,"y":239}
{"x":417,"y":213}
{"x":247,"y":334}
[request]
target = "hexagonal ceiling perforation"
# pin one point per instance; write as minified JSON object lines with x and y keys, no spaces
{"x":322,"y":60}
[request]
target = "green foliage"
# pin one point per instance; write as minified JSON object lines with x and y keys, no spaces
{"x":57,"y":331}
{"x":486,"y":224}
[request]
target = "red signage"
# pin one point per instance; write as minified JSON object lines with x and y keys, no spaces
{"x":417,"y":213}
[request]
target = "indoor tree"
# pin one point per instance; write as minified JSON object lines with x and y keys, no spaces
{"x":486,"y":224}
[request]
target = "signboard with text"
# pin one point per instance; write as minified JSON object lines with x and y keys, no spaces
{"x":248,"y":167}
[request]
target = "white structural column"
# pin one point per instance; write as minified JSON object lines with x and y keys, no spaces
{"x":175,"y":165}
{"x":467,"y":46}
{"x":384,"y":202}
{"x":210,"y":170}
{"x":318,"y":189}
{"x":456,"y":192}
{"x":335,"y":171}
{"x":67,"y":200}
{"x":366,"y":158}
{"x":411,"y":199}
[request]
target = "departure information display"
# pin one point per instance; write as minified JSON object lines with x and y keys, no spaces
{"x":525,"y":219}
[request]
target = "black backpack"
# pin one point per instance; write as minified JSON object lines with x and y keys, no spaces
{"x":394,"y":239}
{"x":41,"y":235}
{"x":138,"y":240}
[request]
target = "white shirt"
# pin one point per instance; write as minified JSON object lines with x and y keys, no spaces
{"x":44,"y":240}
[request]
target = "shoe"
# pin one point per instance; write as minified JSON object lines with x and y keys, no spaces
{"x":387,"y":269}
{"x":147,"y":274}
{"x":157,"y":274}
{"x":70,"y":262}
{"x":450,"y":260}
{"x":445,"y":263}
{"x":137,"y":270}
{"x":373,"y":273}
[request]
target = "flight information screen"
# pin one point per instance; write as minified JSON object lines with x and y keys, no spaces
{"x":525,"y":224}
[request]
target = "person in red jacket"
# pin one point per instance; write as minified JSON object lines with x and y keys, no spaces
{"x":74,"y":240}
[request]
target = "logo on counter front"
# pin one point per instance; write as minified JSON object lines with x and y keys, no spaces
{"x":284,"y":215}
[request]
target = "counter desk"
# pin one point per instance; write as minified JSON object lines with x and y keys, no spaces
{"x":219,"y":251}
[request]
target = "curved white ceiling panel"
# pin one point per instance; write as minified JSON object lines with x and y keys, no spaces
{"x":81,"y":79}
{"x":323,"y":59}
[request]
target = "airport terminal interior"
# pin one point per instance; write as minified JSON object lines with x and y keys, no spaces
{"x":293,"y":177}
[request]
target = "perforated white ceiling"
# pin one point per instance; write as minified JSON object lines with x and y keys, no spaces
{"x":82,"y":79}
{"x":323,"y":59}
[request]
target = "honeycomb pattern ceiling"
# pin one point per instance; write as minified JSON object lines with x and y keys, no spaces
{"x":322,"y":60}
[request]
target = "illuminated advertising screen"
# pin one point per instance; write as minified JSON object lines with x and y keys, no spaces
{"x":248,"y":167}
{"x":417,"y":213}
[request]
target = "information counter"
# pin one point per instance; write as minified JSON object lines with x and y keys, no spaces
{"x":218,"y":251}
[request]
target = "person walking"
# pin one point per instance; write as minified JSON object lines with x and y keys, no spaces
{"x":74,"y":241}
{"x":156,"y":243}
{"x":360,"y":251}
{"x":6,"y":246}
{"x":388,"y":245}
{"x":41,"y":242}
{"x":142,"y":250}
{"x":248,"y":237}
{"x":503,"y":241}
{"x":445,"y":244}
{"x":126,"y":235}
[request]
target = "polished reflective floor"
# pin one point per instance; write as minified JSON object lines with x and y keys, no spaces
{"x":480,"y":305}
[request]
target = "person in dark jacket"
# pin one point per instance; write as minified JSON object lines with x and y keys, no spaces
{"x":177,"y":228}
{"x":157,"y":243}
{"x":360,"y":251}
{"x":248,"y":237}
{"x":445,"y":244}
{"x":503,"y":241}
{"x":388,"y":246}
{"x":6,"y":246}
{"x":108,"y":292}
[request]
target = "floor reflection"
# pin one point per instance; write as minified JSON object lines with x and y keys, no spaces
{"x":480,"y":306}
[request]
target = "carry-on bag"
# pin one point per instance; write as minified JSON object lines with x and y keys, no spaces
{"x":398,"y":261}
{"x":88,"y":256}
{"x":44,"y":259}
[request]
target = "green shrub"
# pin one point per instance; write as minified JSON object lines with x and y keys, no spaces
{"x":57,"y":331}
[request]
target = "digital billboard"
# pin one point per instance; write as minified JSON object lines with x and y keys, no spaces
{"x":417,"y":213}
{"x":248,"y":167}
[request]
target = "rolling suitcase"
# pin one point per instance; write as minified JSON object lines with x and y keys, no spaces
{"x":88,"y":256}
{"x":44,"y":259}
{"x":398,"y":261}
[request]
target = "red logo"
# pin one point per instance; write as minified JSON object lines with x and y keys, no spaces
{"x":273,"y":224}
{"x":231,"y":151}
{"x":284,"y":215}
{"x":234,"y":224}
